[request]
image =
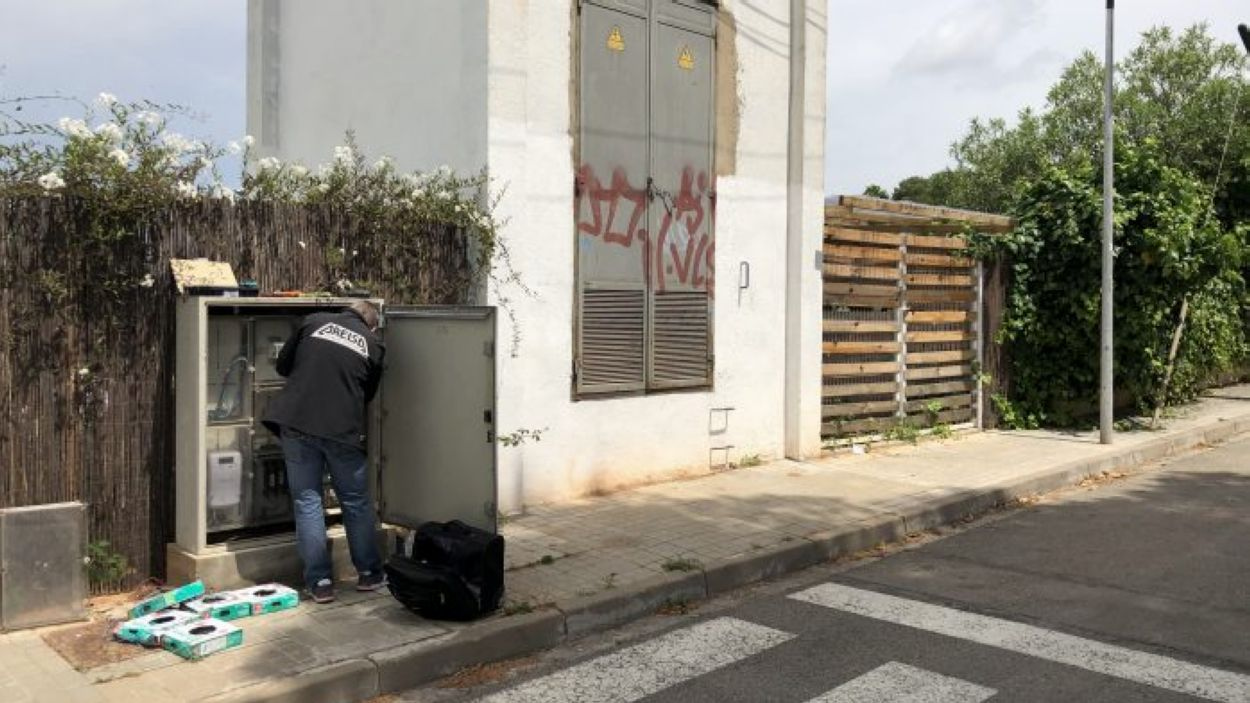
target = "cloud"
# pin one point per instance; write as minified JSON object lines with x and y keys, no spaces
{"x":970,"y":38}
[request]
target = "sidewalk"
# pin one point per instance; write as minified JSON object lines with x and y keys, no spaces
{"x":591,"y":564}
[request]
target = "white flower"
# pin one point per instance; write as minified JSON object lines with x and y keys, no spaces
{"x":84,"y":371}
{"x":121,"y":157}
{"x":418,"y":193}
{"x":177,"y":143}
{"x":412,"y":179}
{"x":323,"y":187}
{"x":299,"y":171}
{"x":148,"y":117}
{"x":51,"y":181}
{"x":107,"y":99}
{"x":110,"y":131}
{"x":383,"y":163}
{"x":248,"y":141}
{"x":443,"y":195}
{"x":221,"y":192}
{"x":302,"y":245}
{"x":342,"y":251}
{"x":343,"y":155}
{"x":185,"y":189}
{"x":147,"y":281}
{"x":206,"y":162}
{"x":354,"y":252}
{"x":459,"y":207}
{"x":444,"y":170}
{"x":234,"y":148}
{"x":269,"y":163}
{"x":74,"y":128}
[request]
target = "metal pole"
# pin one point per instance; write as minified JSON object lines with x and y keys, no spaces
{"x":1106,"y":402}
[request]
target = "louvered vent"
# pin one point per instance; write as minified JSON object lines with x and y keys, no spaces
{"x":681,"y":337}
{"x":613,"y":325}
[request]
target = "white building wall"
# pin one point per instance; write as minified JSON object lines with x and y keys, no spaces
{"x":601,"y":444}
{"x":489,"y":82}
{"x":408,"y":77}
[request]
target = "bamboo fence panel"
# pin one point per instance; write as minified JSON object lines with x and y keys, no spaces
{"x":87,"y":388}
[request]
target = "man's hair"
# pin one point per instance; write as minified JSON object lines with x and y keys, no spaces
{"x":367,"y":310}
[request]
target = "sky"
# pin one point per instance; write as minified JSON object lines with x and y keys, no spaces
{"x":904,"y":79}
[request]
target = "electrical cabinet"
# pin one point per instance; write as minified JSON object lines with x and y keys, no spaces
{"x":431,"y":428}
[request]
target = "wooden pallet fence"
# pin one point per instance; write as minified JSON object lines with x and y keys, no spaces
{"x":902,"y":329}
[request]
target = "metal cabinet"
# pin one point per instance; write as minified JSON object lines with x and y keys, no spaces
{"x":431,"y":430}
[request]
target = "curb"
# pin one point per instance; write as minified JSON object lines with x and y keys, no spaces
{"x":413,"y":664}
{"x":609,"y":609}
{"x":351,"y":680}
{"x":500,"y":638}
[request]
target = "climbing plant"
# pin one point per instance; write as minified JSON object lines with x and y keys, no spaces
{"x":1169,"y":249}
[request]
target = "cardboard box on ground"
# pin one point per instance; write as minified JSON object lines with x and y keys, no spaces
{"x":193,"y":624}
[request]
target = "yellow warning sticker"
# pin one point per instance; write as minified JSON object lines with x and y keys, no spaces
{"x":685,"y":59}
{"x":616,"y":42}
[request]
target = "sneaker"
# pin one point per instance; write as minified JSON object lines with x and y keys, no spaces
{"x":372,"y":581}
{"x":323,"y":592}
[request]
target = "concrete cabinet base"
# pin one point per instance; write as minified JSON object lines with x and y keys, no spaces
{"x":259,"y":561}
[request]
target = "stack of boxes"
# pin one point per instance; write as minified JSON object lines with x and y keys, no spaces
{"x":194,"y":625}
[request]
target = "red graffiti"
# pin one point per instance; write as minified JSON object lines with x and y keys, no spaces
{"x":684,"y":247}
{"x":683,"y":220}
{"x":612,"y":196}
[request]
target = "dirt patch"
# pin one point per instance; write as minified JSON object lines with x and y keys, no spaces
{"x":484,"y":674}
{"x":91,"y":644}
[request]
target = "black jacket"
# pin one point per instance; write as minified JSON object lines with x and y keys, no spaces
{"x":332,"y":364}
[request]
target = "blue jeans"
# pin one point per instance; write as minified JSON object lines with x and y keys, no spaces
{"x":307,"y":459}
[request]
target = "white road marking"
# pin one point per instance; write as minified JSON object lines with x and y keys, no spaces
{"x":899,"y":683}
{"x":643,"y":669}
{"x":1098,"y":657}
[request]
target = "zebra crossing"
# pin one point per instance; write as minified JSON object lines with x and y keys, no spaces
{"x":681,"y":657}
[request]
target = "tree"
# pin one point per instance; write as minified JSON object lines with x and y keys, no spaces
{"x":876,"y":191}
{"x":1182,"y":201}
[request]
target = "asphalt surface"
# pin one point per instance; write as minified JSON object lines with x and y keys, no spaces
{"x":1136,"y":589}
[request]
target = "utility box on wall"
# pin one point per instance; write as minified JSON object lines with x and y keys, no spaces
{"x":431,"y":431}
{"x":43,"y":579}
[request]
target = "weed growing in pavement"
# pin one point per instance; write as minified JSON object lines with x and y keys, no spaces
{"x":681,"y":564}
{"x":517,"y":608}
{"x":675,"y":606}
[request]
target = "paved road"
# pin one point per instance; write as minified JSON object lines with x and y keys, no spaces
{"x":1135,"y":590}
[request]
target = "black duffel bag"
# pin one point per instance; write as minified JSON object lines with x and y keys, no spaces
{"x":455,"y":572}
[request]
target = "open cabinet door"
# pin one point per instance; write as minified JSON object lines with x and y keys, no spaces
{"x":437,"y":421}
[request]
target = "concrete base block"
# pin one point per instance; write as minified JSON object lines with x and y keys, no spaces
{"x":609,"y":609}
{"x":342,"y":682}
{"x":250,"y":562}
{"x":764,"y":564}
{"x":492,"y":640}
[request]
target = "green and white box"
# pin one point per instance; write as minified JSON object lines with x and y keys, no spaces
{"x":227,"y":605}
{"x":148,"y":629}
{"x":200,"y":638}
{"x":269,"y":598}
{"x":168,"y":599}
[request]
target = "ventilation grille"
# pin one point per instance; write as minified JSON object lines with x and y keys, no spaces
{"x":681,"y":338}
{"x":613,"y":326}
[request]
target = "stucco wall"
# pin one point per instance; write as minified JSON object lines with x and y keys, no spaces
{"x":596,"y":445}
{"x":408,"y":77}
{"x":473,"y":82}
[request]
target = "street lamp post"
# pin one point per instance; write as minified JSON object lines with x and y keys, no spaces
{"x":1106,"y":404}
